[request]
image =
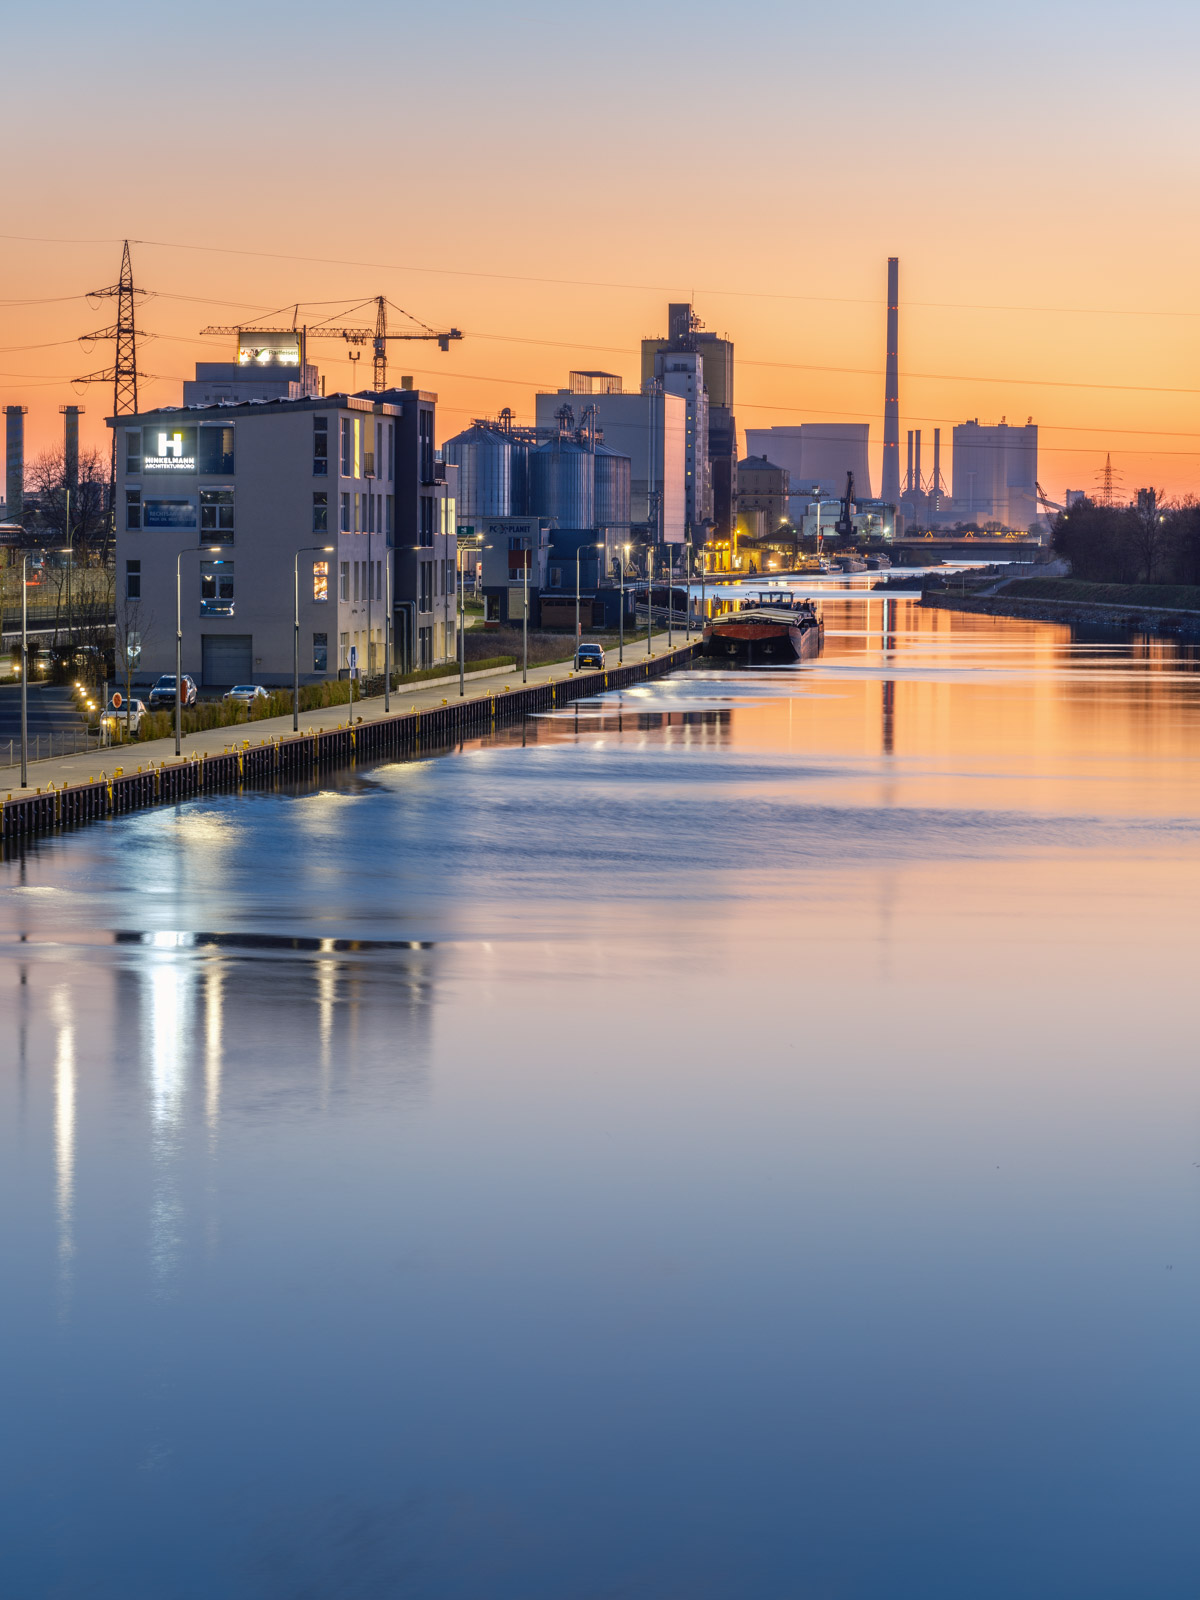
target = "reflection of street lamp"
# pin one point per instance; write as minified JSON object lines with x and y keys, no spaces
{"x":304,"y":549}
{"x":212,"y":549}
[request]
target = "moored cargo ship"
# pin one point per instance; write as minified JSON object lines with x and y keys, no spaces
{"x":779,"y":629}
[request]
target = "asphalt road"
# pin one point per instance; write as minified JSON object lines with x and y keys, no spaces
{"x":51,"y":712}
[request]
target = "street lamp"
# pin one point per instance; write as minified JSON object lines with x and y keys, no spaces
{"x":578,"y":554}
{"x":649,"y":598}
{"x":24,"y":675}
{"x":622,"y":562}
{"x":303,"y":550}
{"x":212,"y":549}
{"x":462,"y":614}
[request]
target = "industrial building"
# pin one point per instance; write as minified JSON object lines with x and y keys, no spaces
{"x":716,"y":501}
{"x":234,"y":492}
{"x":995,"y":474}
{"x":651,"y":430}
{"x":267,"y":366}
{"x":762,"y":497}
{"x":819,"y":453}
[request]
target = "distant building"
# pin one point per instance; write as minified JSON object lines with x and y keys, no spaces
{"x":681,"y":372}
{"x":763,"y":487}
{"x":651,"y":429}
{"x":817,"y":452}
{"x":995,"y":474}
{"x":266,"y":367}
{"x":686,"y":334}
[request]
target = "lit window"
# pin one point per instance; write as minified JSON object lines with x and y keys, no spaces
{"x":320,"y":581}
{"x":320,"y":652}
{"x":216,"y":588}
{"x":216,"y":515}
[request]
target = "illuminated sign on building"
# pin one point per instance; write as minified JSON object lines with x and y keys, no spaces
{"x":279,"y":352}
{"x":169,"y":450}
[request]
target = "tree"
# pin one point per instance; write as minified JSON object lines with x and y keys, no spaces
{"x":89,"y":501}
{"x":132,"y":626}
{"x":1148,"y":533}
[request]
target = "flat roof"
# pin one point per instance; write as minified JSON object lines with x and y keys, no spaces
{"x":388,"y":403}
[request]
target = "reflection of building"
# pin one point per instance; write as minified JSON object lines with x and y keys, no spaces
{"x":995,"y":474}
{"x":236,"y":490}
{"x":817,"y":452}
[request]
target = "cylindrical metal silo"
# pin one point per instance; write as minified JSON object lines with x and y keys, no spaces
{"x":519,"y":478}
{"x":484,"y":461}
{"x":562,"y":483}
{"x":613,"y":488}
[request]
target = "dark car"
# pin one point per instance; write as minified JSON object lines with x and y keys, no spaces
{"x":587,"y":656}
{"x":163,"y":693}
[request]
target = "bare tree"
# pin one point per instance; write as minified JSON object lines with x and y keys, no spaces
{"x":89,"y":500}
{"x":1148,"y":532}
{"x":132,"y":627}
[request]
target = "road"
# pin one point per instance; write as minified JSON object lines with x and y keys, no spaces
{"x":52,"y":714}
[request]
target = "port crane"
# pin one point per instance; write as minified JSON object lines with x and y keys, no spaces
{"x":1048,"y":506}
{"x":377,"y":338}
{"x":844,"y":527}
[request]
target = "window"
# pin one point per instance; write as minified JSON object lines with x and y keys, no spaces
{"x":133,"y":580}
{"x":343,"y":649}
{"x":370,"y":513}
{"x":347,"y":448}
{"x":425,"y":600}
{"x":133,"y":508}
{"x":216,"y":515}
{"x":358,"y":499}
{"x":357,"y":565}
{"x":215,"y":449}
{"x":520,"y":558}
{"x":448,"y":577}
{"x":368,"y":463}
{"x":378,"y":456}
{"x":425,"y":637}
{"x":379,"y":580}
{"x":391,"y":472}
{"x":133,"y":450}
{"x":358,"y":450}
{"x":345,"y":513}
{"x":320,"y":581}
{"x":320,"y":652}
{"x":216,"y":588}
{"x":390,"y":510}
{"x":426,"y":527}
{"x":425,"y":444}
{"x":320,"y":511}
{"x":556,"y":577}
{"x":344,"y":581}
{"x":320,"y":447}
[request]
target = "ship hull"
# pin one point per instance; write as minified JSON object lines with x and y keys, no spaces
{"x":760,"y":643}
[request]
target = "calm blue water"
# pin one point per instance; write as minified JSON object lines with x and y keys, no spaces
{"x":740,"y":1142}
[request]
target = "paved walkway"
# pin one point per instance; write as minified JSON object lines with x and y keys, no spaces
{"x":213,"y":741}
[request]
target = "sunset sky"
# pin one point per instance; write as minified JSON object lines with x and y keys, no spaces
{"x":547,"y":177}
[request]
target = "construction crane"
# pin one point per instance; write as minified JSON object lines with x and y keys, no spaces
{"x":844,"y":526}
{"x":377,"y":339}
{"x":1048,"y":506}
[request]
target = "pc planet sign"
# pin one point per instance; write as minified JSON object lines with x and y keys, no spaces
{"x":170,"y":450}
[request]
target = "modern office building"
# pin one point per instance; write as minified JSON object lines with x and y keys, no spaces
{"x":235,"y":492}
{"x":651,"y":429}
{"x":995,"y":474}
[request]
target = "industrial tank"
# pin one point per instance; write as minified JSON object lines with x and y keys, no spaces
{"x":519,"y":478}
{"x":562,"y":483}
{"x":613,"y":490}
{"x":483,"y":457}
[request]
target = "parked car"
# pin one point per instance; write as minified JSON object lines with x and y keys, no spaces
{"x":163,"y":693}
{"x":588,"y":656}
{"x":114,"y":716}
{"x":247,"y":693}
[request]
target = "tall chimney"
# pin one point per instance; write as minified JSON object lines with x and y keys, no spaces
{"x":917,"y":462}
{"x":14,"y":439}
{"x":70,"y":416}
{"x":908,"y":478}
{"x":891,"y":393}
{"x":937,"y":461}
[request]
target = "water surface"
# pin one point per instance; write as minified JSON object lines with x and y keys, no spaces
{"x":734,"y":1139}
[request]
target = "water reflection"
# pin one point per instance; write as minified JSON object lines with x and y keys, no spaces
{"x":730,"y":1138}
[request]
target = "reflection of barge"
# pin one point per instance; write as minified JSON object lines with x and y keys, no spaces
{"x":780,"y":629}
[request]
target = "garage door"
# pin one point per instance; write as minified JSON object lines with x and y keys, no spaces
{"x":226,"y":659}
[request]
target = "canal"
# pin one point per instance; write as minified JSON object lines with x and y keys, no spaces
{"x":740,"y":1138}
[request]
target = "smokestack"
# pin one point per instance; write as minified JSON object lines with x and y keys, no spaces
{"x":891,"y":392}
{"x":14,"y":439}
{"x":908,"y":479}
{"x":917,"y":462}
{"x":70,"y":416}
{"x":937,"y":461}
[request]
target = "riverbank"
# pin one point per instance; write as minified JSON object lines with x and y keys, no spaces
{"x":74,"y":789}
{"x":1168,"y":609}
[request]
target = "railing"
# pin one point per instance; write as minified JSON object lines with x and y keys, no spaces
{"x":42,"y":746}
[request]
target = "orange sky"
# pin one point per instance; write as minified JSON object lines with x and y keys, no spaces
{"x":546,"y":180}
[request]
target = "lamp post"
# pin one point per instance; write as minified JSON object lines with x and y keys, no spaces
{"x":303,"y":550}
{"x":525,"y":557}
{"x":24,"y":675}
{"x":70,"y":616}
{"x":649,"y":599}
{"x":462,"y":614}
{"x":670,"y":604}
{"x":211,"y":549}
{"x":687,"y":592}
{"x":622,"y":559}
{"x":387,"y":632}
{"x":578,"y":554}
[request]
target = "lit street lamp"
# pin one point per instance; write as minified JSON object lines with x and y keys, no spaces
{"x":303,"y":550}
{"x":462,"y":613}
{"x":622,"y":560}
{"x":578,"y":553}
{"x":24,"y":675}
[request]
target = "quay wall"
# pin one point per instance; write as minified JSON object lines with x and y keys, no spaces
{"x":1141,"y":619}
{"x":305,"y":755}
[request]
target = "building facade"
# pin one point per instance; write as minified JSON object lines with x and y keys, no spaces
{"x":763,"y":488}
{"x":820,"y":453}
{"x":242,"y":496}
{"x":995,"y":474}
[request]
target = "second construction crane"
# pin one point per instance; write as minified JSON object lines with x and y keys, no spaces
{"x":378,"y":338}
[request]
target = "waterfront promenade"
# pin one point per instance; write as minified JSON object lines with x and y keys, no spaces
{"x":87,"y":787}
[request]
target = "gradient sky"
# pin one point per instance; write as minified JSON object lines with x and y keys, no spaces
{"x":547,"y":177}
